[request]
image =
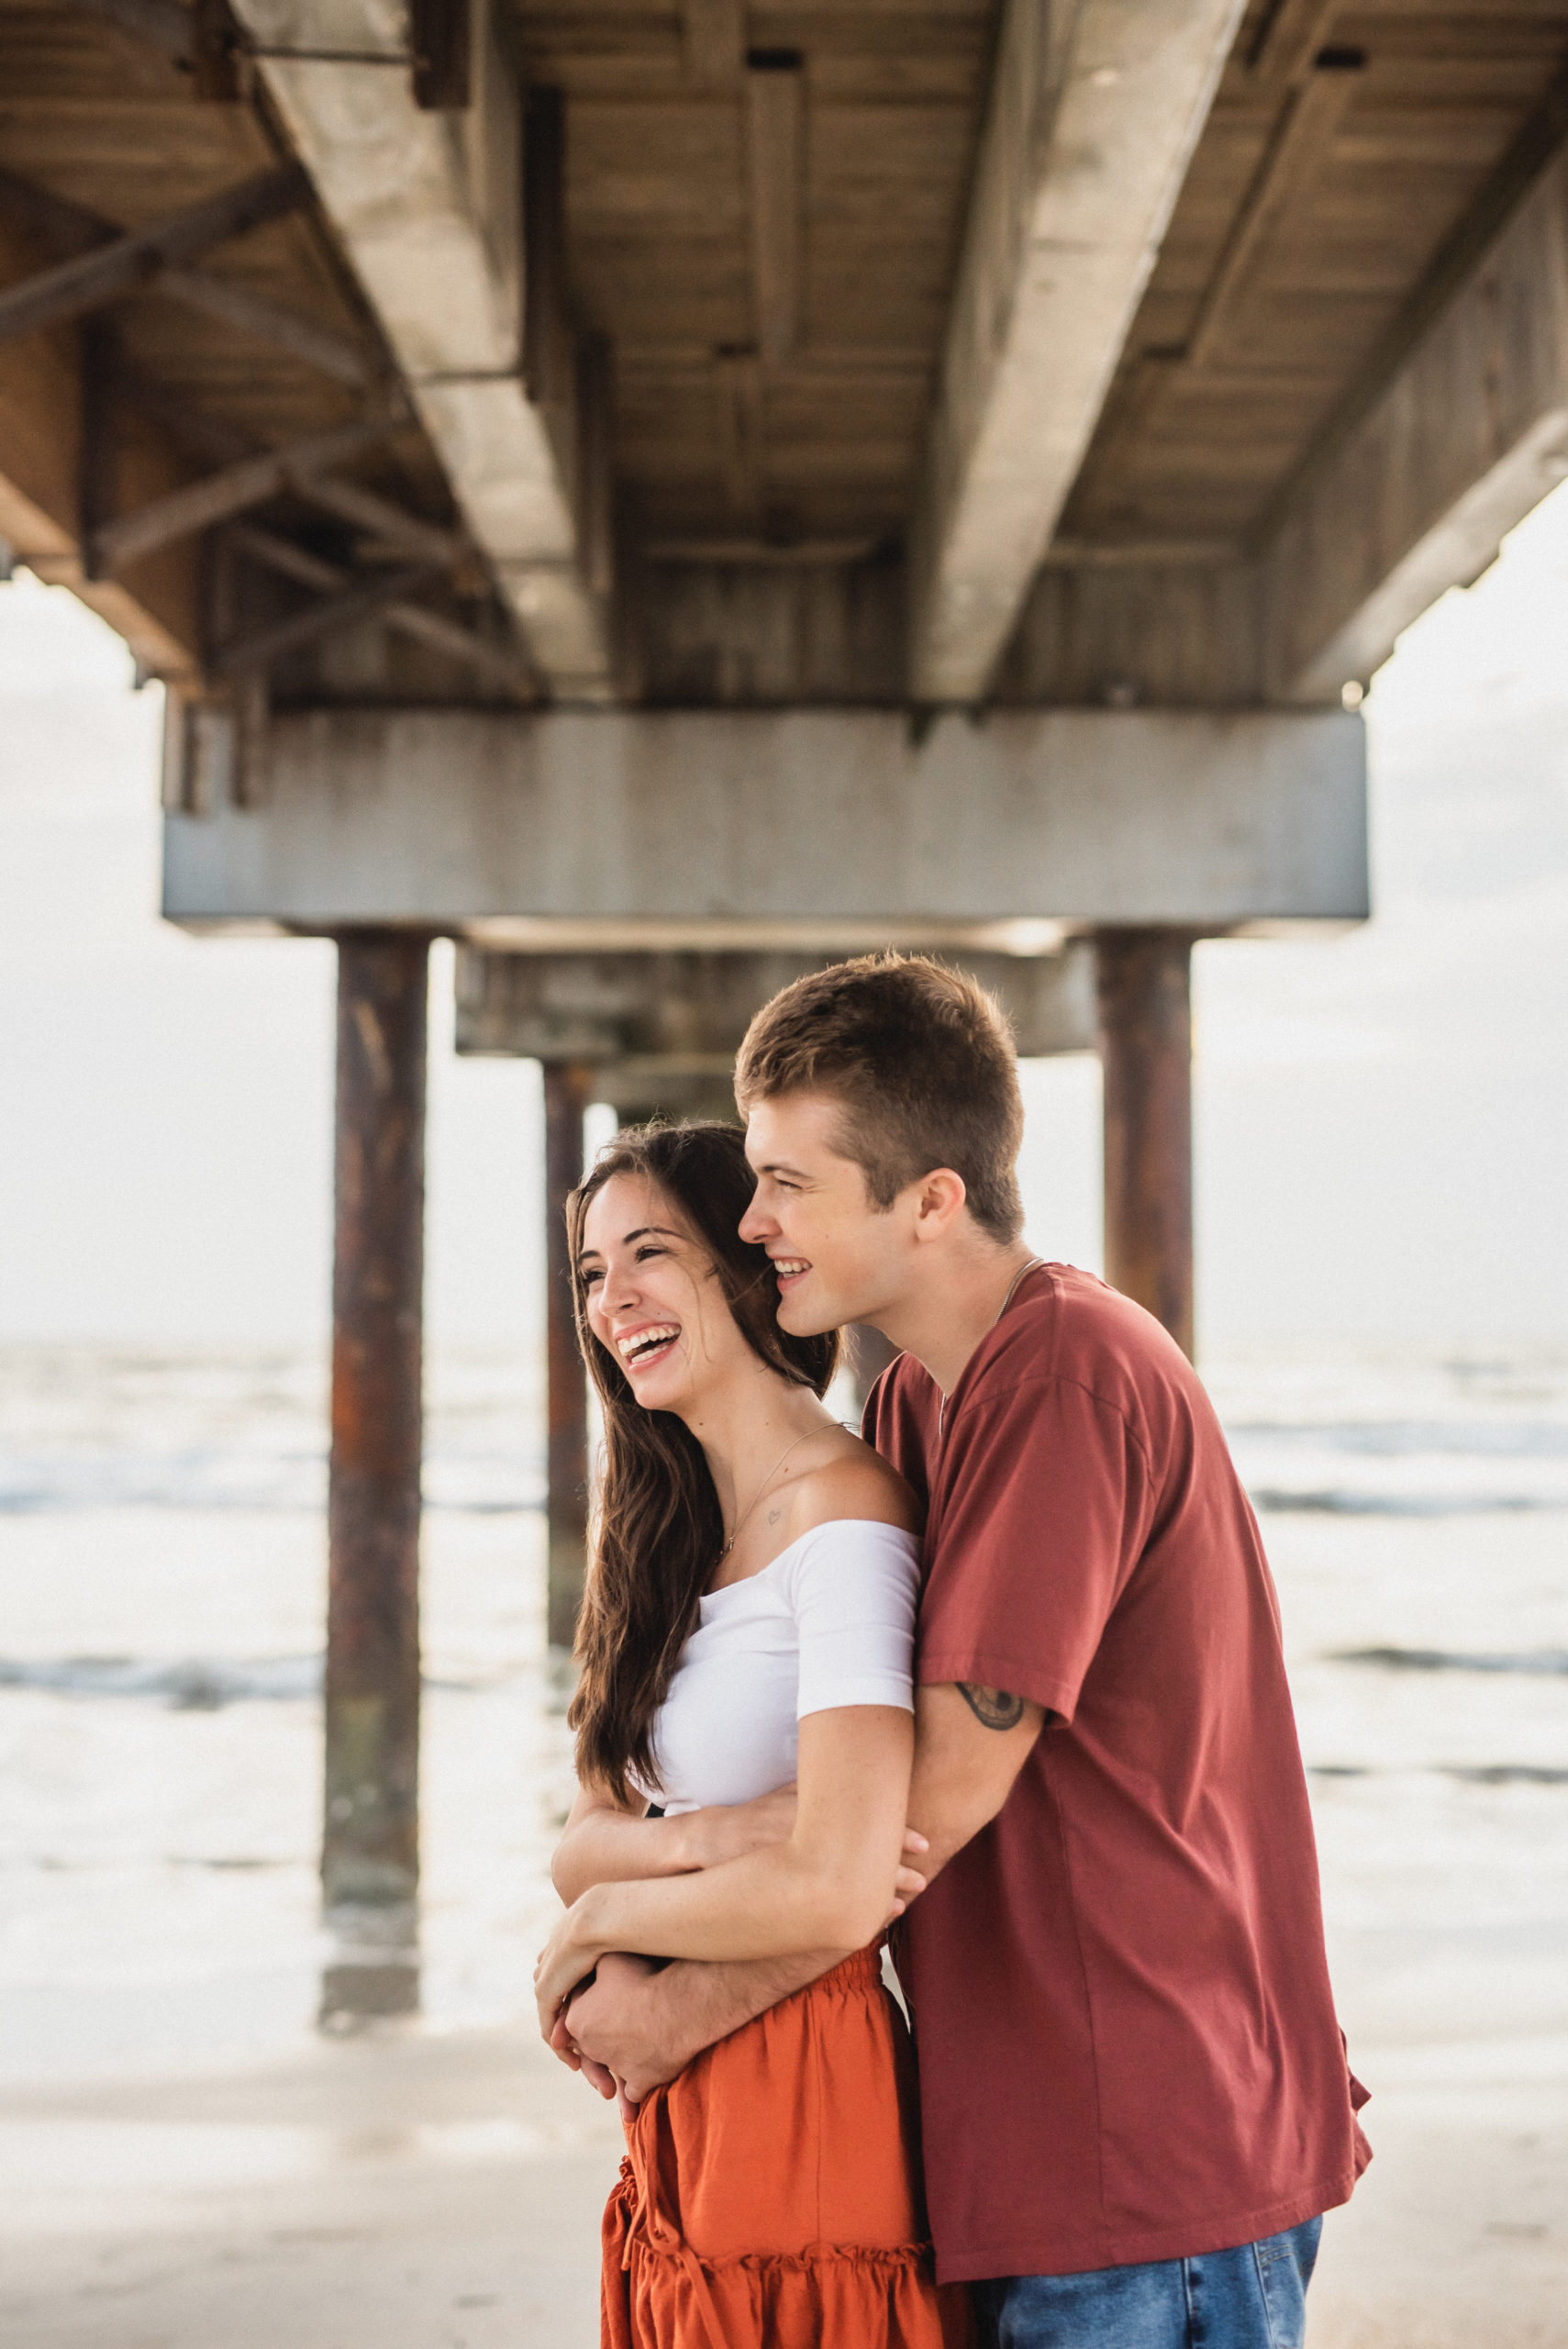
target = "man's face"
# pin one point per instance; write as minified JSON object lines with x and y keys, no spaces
{"x":838,"y":1257}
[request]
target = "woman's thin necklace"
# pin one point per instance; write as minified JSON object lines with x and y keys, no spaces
{"x":761,"y":1490}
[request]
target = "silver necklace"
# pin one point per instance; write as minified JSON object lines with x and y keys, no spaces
{"x":759,"y":1491}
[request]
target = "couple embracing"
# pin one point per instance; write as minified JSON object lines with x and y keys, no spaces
{"x":1005,"y":1678}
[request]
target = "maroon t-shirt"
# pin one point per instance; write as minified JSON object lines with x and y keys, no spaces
{"x":1126,"y":2040}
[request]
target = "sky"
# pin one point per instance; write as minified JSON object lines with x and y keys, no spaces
{"x":1381,"y":1117}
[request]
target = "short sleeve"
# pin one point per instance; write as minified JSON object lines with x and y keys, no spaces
{"x":853,"y":1588}
{"x":1044,"y":1510}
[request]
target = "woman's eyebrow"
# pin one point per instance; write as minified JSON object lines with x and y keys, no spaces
{"x":643,"y":1231}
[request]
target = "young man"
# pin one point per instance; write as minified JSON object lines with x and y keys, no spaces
{"x":1135,"y":2102}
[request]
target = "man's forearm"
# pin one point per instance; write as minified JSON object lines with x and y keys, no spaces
{"x":647,"y":2033}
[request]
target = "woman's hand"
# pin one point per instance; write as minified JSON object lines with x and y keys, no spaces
{"x":566,"y":1960}
{"x":728,"y":1831}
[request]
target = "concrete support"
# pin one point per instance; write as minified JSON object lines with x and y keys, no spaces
{"x":370,"y":1858}
{"x":811,"y":831}
{"x":1146,"y":1049}
{"x":568,"y":1090}
{"x":1415,"y":488}
{"x":1092,"y":116}
{"x":424,"y":208}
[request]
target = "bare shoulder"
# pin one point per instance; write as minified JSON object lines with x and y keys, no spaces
{"x":853,"y":1480}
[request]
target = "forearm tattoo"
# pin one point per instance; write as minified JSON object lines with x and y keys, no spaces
{"x":991,"y":1708}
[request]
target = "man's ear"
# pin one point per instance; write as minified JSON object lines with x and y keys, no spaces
{"x":939,"y":1202}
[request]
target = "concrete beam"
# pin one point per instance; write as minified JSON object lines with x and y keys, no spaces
{"x":1467,"y":435}
{"x":658,"y":1019}
{"x":814,"y":831}
{"x":1093,"y":114}
{"x":426,"y":207}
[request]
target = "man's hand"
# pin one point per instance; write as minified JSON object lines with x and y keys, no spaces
{"x":614,"y":2035}
{"x":642,"y":2025}
{"x":617,"y":1965}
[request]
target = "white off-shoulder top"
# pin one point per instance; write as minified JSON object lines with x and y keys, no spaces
{"x":829,"y":1621}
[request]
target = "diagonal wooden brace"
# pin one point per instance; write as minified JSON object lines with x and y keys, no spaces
{"x":250,"y":482}
{"x":356,"y":602}
{"x":114,"y":270}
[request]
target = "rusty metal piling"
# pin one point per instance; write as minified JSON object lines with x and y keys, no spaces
{"x":369,"y":1855}
{"x":568,"y":1088}
{"x":1145,"y":1013}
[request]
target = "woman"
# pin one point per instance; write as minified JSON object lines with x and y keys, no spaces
{"x":755,"y":1566}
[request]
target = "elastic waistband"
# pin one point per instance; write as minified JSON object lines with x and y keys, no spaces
{"x":861,"y":1972}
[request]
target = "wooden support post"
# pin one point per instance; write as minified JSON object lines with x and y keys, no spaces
{"x":370,"y":1856}
{"x":1146,"y":1052}
{"x":567,"y":1088}
{"x":548,"y":356}
{"x":97,"y":494}
{"x":776,"y":85}
{"x":439,"y":31}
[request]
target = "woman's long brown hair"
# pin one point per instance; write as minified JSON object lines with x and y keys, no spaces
{"x":658,"y":1528}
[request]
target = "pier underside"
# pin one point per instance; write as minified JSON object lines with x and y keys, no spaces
{"x":654,"y":491}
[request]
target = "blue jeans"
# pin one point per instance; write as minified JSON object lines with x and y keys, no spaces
{"x":1254,"y":2298}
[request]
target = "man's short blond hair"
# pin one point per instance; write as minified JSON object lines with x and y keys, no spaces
{"x":921,"y":1060}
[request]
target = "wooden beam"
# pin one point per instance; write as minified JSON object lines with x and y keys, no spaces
{"x":493,"y":661}
{"x":365,"y":597}
{"x":158,"y":610}
{"x":775,"y":88}
{"x":163,"y":24}
{"x":71,"y":230}
{"x":250,"y":482}
{"x":393,"y":525}
{"x":595,"y":461}
{"x":738,"y":440}
{"x":333,"y":354}
{"x":1288,"y":38}
{"x":714,"y":33}
{"x":1291,"y":162}
{"x":1090,"y":122}
{"x":547,"y":326}
{"x":1414,"y":496}
{"x":438,"y":33}
{"x":761,"y":555}
{"x":97,"y":464}
{"x":106,"y":275}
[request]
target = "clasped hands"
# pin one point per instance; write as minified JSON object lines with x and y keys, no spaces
{"x":597,"y":2009}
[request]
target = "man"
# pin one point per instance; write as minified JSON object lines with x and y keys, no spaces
{"x":1135,"y":2102}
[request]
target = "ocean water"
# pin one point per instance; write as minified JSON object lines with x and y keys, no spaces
{"x":161,"y":1597}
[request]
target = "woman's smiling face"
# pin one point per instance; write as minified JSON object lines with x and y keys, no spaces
{"x":654,"y":1298}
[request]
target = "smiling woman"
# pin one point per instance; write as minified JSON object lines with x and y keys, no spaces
{"x":745,"y":1734}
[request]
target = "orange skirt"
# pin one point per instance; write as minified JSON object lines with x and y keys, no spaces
{"x":770,"y":2195}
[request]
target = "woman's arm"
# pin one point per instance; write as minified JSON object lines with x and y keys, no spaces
{"x":606,"y":1844}
{"x":831,"y":1884}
